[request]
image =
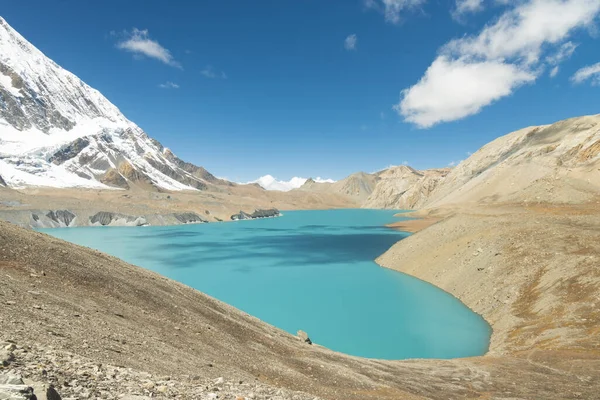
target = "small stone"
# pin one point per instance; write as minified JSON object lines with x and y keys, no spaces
{"x":219,"y":381}
{"x":162,"y":389}
{"x":148,"y":385}
{"x":6,"y":357}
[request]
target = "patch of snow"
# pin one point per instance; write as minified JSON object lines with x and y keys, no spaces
{"x":37,"y":173}
{"x":6,"y":83}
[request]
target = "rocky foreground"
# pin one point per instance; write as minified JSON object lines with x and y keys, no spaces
{"x":45,"y":372}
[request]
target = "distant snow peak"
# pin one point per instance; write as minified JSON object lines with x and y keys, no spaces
{"x":269,"y":182}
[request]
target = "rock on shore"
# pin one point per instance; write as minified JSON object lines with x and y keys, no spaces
{"x":273,"y":212}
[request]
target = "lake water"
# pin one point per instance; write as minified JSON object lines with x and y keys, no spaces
{"x":309,"y":270}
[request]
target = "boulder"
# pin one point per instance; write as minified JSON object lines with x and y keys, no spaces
{"x":304,"y":337}
{"x":6,"y":357}
{"x":13,"y":388}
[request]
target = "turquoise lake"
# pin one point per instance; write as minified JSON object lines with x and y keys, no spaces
{"x":309,"y":270}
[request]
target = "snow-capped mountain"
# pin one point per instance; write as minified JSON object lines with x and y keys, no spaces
{"x":57,"y":131}
{"x":268,"y":182}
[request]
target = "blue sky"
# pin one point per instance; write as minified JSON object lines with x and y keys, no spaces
{"x":326,"y":88}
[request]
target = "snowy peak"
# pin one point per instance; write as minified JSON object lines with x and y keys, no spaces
{"x":55,"y":130}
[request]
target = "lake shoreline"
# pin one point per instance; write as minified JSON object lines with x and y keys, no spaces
{"x":103,"y":326}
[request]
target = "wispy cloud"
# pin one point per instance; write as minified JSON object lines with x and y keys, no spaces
{"x":169,"y":85}
{"x":393,"y":9}
{"x":591,"y":72}
{"x":210,"y":73}
{"x":472,"y":72}
{"x":139,"y":43}
{"x":464,"y":7}
{"x":563,"y":53}
{"x":350,"y":42}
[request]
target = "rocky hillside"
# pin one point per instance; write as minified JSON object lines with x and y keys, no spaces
{"x":403,"y":187}
{"x":556,"y":163}
{"x":57,"y":131}
{"x":357,"y":186}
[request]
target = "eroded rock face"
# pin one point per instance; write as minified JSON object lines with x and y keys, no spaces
{"x":106,"y":218}
{"x":2,"y":182}
{"x":61,"y":216}
{"x":189,"y":218}
{"x":273,"y":212}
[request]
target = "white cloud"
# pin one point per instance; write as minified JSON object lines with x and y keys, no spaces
{"x":467,"y":7}
{"x":169,"y":85}
{"x":521,"y":32}
{"x":591,"y":72}
{"x":474,"y":71}
{"x":454,"y":89}
{"x":139,"y":43}
{"x":392,"y":9}
{"x":554,"y":71}
{"x":350,"y":42}
{"x":269,"y":182}
{"x":210,"y":73}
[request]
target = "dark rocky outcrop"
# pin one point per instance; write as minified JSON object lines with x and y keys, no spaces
{"x":69,"y":151}
{"x":105,"y":218}
{"x":61,"y":216}
{"x":52,"y":394}
{"x":2,"y":182}
{"x":189,"y":218}
{"x":272,"y":212}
